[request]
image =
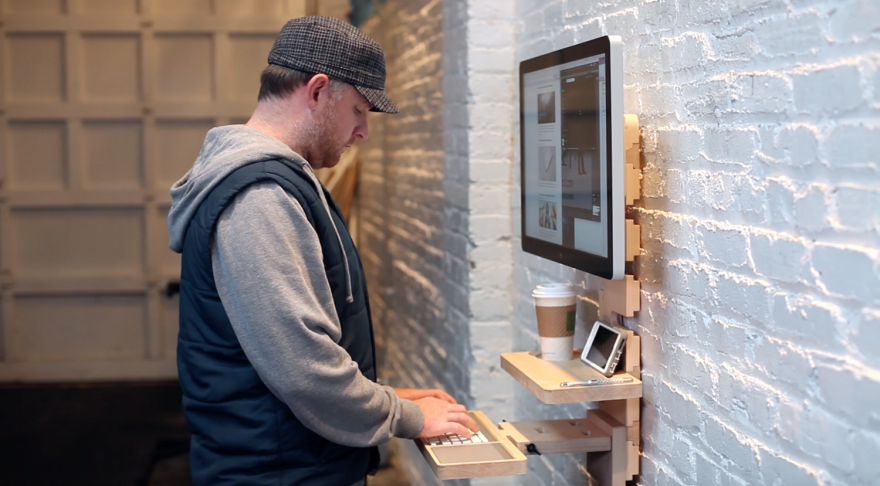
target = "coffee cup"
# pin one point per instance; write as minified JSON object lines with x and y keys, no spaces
{"x":556,"y":310}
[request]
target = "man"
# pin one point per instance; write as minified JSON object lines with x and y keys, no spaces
{"x":275,"y":351}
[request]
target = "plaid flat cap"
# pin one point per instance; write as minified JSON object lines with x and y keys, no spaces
{"x":326,"y":45}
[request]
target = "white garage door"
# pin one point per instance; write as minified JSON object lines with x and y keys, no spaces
{"x":103,"y":104}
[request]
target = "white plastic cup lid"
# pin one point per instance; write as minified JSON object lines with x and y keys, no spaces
{"x":554,"y":290}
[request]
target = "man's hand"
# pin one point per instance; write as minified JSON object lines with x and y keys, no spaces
{"x":418,"y":394}
{"x":442,"y":417}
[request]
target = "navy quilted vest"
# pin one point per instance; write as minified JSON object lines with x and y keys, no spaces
{"x":241,"y":433}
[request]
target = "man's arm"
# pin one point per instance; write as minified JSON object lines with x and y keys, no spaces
{"x":269,"y":271}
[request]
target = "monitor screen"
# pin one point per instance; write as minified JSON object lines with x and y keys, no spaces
{"x":571,"y":115}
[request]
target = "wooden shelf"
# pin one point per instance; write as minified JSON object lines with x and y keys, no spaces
{"x":542,"y":378}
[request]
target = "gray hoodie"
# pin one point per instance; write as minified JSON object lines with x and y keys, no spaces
{"x":269,"y":271}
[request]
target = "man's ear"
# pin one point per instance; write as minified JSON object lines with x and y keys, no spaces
{"x":317,"y":89}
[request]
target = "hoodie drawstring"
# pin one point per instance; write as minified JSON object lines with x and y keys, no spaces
{"x":349,"y":297}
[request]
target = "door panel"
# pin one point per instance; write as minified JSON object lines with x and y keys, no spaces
{"x":31,"y":81}
{"x":80,"y":327}
{"x":103,"y":105}
{"x":37,"y":155}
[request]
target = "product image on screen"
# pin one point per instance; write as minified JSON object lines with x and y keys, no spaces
{"x":572,"y":189}
{"x":547,"y":168}
{"x":602,"y":347}
{"x":547,"y":107}
{"x":547,"y":215}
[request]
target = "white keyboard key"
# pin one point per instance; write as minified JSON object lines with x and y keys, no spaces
{"x":450,"y":438}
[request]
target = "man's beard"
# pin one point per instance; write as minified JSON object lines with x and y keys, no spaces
{"x":324,"y":149}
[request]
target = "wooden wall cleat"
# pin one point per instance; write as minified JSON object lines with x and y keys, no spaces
{"x":633,"y":240}
{"x":620,"y":296}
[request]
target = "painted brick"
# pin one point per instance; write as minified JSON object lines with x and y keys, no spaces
{"x":834,"y":434}
{"x":784,"y":362}
{"x":751,"y":197}
{"x":707,"y":472}
{"x":729,"y":246}
{"x":851,"y":392}
{"x":791,"y":35}
{"x":761,"y":93}
{"x":711,"y":97}
{"x":491,"y":61}
{"x":687,"y":410}
{"x":731,"y":146}
{"x":811,"y":207}
{"x":727,"y":337}
{"x":800,"y":144}
{"x":728,"y":443}
{"x":697,"y":371}
{"x":877,"y":85}
{"x":728,"y":479}
{"x":857,"y":207}
{"x":658,"y":100}
{"x":692,"y":12}
{"x":811,"y":93}
{"x":735,"y":46}
{"x":792,"y":425}
{"x":686,"y":51}
{"x":855,"y":21}
{"x":752,"y":8}
{"x":780,"y":201}
{"x":848,"y":271}
{"x":779,"y":256}
{"x":746,"y":296}
{"x":650,"y":54}
{"x":867,"y":339}
{"x":808,"y":321}
{"x":780,"y":471}
{"x":493,"y":88}
{"x":853,"y":146}
{"x":488,"y":34}
{"x":623,"y":22}
{"x":680,"y":145}
{"x":867,"y":448}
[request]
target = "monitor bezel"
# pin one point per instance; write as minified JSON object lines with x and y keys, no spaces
{"x":612,"y":266}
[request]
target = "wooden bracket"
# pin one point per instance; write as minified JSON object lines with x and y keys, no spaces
{"x":625,"y":414}
{"x":556,"y":436}
{"x":632,"y":149}
{"x":620,"y":296}
{"x":633,"y":240}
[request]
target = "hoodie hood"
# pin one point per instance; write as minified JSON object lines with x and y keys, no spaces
{"x":227,"y":149}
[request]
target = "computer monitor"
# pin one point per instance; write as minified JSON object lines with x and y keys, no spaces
{"x":572,"y":157}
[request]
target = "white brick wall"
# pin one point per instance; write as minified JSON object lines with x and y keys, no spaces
{"x":760,"y":316}
{"x":435,"y":193}
{"x":760,"y":268}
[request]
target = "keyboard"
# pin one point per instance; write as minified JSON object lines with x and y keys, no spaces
{"x":451,"y":438}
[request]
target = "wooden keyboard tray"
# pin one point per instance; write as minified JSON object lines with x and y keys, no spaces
{"x":497,"y":457}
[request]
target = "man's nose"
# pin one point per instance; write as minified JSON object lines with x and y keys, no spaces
{"x":362,"y":130}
